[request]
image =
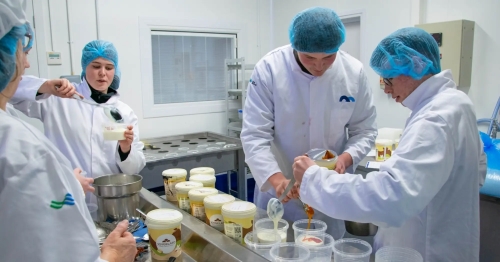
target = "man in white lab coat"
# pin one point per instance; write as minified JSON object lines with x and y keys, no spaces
{"x":303,"y":96}
{"x":426,"y":196}
{"x":42,"y":207}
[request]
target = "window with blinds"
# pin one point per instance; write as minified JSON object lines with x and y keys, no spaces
{"x":189,"y":67}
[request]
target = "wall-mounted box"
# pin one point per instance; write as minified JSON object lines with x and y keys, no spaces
{"x":455,"y":40}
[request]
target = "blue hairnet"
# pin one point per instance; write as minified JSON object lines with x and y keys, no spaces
{"x":317,"y":30}
{"x":106,"y":50}
{"x":8,"y":49}
{"x":408,"y":51}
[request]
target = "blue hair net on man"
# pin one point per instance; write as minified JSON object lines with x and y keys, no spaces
{"x":103,"y":49}
{"x":317,"y":30}
{"x":408,"y":51}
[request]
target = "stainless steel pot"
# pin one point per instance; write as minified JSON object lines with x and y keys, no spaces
{"x":117,"y":196}
{"x":360,"y":229}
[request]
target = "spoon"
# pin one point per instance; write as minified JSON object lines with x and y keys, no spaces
{"x":111,"y":112}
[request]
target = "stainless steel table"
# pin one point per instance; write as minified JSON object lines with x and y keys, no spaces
{"x":223,"y":153}
{"x":201,"y":242}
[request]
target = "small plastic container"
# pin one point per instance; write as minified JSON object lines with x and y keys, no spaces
{"x":320,"y":246}
{"x":202,"y":171}
{"x":262,"y":249}
{"x":213,"y":209}
{"x":170,"y":178}
{"x":238,"y":219}
{"x":164,"y":229}
{"x":114,"y":131}
{"x":289,"y":252}
{"x":351,"y":249}
{"x":383,"y":149}
{"x":398,"y":254}
{"x":206,"y":180}
{"x":240,"y":113}
{"x":266,"y":225}
{"x":182,"y":189}
{"x":196,"y":197}
{"x":317,"y":155}
{"x":300,"y":227}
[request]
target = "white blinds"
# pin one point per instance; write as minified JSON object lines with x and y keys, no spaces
{"x":189,"y":67}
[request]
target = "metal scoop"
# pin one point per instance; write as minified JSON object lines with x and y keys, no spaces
{"x":111,"y":112}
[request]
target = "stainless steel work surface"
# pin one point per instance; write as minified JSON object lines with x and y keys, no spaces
{"x":188,"y":145}
{"x":188,"y":151}
{"x":201,"y":242}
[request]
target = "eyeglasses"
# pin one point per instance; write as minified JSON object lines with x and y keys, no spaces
{"x":28,"y":38}
{"x":387,"y":81}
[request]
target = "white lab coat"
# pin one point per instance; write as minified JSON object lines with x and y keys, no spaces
{"x":426,"y":196}
{"x":288,"y":112}
{"x":34,"y":173}
{"x":76,"y":129}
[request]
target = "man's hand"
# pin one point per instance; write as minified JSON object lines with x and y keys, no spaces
{"x":344,"y":161}
{"x":300,"y":165}
{"x":119,"y":245}
{"x":126,"y":145}
{"x":279,"y":182}
{"x":59,"y":87}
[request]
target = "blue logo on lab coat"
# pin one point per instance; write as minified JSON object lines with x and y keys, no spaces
{"x":347,"y":99}
{"x":68,"y":200}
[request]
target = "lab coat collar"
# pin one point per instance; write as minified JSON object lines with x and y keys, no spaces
{"x":429,"y":88}
{"x":86,"y":93}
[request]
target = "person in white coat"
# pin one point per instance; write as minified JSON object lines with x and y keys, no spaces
{"x":42,"y":206}
{"x":304,"y":96}
{"x":76,"y":128}
{"x":426,"y":196}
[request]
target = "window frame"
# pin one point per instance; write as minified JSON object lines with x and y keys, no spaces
{"x":146,"y":28}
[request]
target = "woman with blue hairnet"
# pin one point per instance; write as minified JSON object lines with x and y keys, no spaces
{"x":42,"y":206}
{"x":303,"y":96}
{"x":76,"y":128}
{"x":426,"y":196}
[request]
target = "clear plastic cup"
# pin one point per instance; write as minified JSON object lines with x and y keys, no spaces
{"x":320,"y":246}
{"x":351,"y":249}
{"x":300,"y":227}
{"x":262,"y":249}
{"x":289,"y":252}
{"x":114,"y":131}
{"x":398,"y":254}
{"x":266,"y":224}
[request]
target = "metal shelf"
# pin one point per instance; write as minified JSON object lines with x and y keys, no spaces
{"x":234,"y":128}
{"x":235,"y":86}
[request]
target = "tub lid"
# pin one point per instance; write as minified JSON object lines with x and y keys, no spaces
{"x":175,"y":172}
{"x":202,"y":178}
{"x":184,"y":187}
{"x":384,"y":142}
{"x":163,"y":216}
{"x":202,"y":170}
{"x":198,"y":194}
{"x":216,"y":201}
{"x":239,"y":209}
